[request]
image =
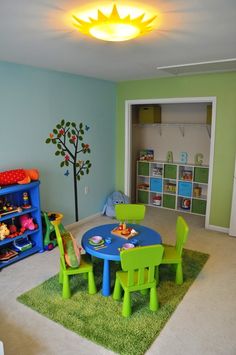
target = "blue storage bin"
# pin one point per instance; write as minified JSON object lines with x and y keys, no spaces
{"x":185,"y":189}
{"x":156,"y":184}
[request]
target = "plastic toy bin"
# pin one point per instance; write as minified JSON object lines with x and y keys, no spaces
{"x":185,"y":189}
{"x":201,"y":175}
{"x":149,"y":114}
{"x":170,"y":171}
{"x":199,"y":206}
{"x":169,"y":201}
{"x":143,"y":168}
{"x":156,"y":185}
{"x":142,"y":197}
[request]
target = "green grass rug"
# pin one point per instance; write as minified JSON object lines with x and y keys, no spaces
{"x":99,"y":318}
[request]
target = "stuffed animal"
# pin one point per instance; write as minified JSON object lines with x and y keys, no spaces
{"x":18,"y":176}
{"x":4,"y":231}
{"x":115,"y":198}
{"x":27,"y":222}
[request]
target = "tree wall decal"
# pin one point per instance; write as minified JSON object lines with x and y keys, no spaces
{"x":68,"y":141}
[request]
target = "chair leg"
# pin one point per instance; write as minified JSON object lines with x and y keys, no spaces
{"x":179,"y":274}
{"x":66,"y":287}
{"x":126,"y":308}
{"x":157,"y":275}
{"x":91,"y":283}
{"x":61,"y":275}
{"x":153,"y":305}
{"x":117,"y":290}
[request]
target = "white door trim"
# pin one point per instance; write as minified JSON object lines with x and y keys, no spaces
{"x":128,"y":141}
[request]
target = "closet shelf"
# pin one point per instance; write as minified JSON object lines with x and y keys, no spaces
{"x":181,"y":126}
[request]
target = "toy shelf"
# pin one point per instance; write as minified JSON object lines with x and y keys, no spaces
{"x":14,"y":197}
{"x":177,"y":186}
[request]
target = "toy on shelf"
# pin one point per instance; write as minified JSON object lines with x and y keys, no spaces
{"x":143,"y":186}
{"x":146,"y":154}
{"x":7,"y":254}
{"x":185,"y":203}
{"x":156,"y":200}
{"x":18,"y":176}
{"x":26,"y":203}
{"x":197,"y":191}
{"x":187,"y":175}
{"x":156,"y":171}
{"x":27,"y":222}
{"x":22,"y":244}
{"x":50,"y":240}
{"x":6,"y":207}
{"x":4,"y":231}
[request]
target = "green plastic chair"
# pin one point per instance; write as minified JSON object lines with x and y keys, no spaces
{"x":85,"y":267}
{"x":173,"y":254}
{"x":138,"y":274}
{"x":130,"y":213}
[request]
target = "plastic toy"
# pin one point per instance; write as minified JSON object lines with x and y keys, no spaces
{"x":50,"y":240}
{"x":27,"y":222}
{"x":112,"y":200}
{"x":22,"y":244}
{"x":4,"y":231}
{"x":18,"y":176}
{"x":26,"y":203}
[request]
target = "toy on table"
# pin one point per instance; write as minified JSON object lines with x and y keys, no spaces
{"x":4,"y":231}
{"x":18,"y":176}
{"x":123,"y":231}
{"x":27,"y":222}
{"x":26,"y":203}
{"x":50,"y":240}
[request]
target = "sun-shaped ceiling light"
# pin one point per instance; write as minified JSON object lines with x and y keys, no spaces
{"x":113,"y":27}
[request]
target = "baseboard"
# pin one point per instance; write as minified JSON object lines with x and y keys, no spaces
{"x":82,"y":221}
{"x":217,"y":228}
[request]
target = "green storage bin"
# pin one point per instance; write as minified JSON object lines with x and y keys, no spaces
{"x":143,"y":168}
{"x":170,"y":171}
{"x":201,"y":175}
{"x":143,"y":197}
{"x":169,"y":201}
{"x":199,"y":206}
{"x":148,"y":114}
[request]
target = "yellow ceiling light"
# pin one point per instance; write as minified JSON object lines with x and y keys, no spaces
{"x":112,"y":27}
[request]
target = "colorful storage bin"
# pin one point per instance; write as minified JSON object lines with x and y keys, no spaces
{"x":170,"y":171}
{"x":156,"y":184}
{"x":185,"y":189}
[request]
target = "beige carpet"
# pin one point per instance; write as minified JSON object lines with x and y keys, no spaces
{"x":203,"y":324}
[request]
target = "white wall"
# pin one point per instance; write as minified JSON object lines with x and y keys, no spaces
{"x":195,"y":140}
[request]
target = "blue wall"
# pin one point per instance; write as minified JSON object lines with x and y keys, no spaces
{"x":32,"y":102}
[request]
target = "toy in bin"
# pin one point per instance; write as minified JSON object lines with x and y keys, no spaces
{"x":50,"y":240}
{"x":156,"y":200}
{"x":185,"y":204}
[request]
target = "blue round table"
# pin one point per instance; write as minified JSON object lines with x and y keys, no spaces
{"x":146,"y":236}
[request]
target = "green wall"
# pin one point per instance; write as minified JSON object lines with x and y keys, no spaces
{"x":223,"y":87}
{"x":32,"y":102}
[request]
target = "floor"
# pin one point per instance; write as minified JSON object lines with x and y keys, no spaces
{"x":203,"y":323}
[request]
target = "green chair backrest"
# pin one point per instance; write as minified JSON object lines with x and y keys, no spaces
{"x":139,"y":259}
{"x":182,"y":231}
{"x":60,"y":245}
{"x":130,"y":213}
